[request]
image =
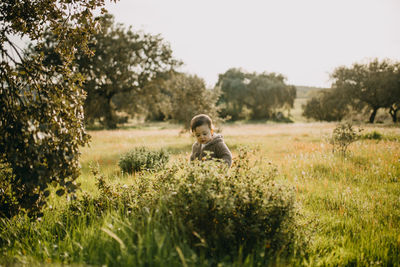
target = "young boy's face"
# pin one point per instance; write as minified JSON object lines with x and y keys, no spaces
{"x":203,"y":134}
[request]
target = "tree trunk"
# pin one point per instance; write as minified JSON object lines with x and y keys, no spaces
{"x":373,"y":114}
{"x":109,"y":118}
{"x":393,"y":113}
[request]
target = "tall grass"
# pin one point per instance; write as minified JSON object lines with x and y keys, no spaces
{"x":350,"y":206}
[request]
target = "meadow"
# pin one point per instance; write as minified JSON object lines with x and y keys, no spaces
{"x":348,"y":206}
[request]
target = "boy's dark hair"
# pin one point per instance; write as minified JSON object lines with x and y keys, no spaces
{"x":199,"y":120}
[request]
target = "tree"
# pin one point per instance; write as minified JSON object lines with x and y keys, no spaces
{"x":394,"y":108}
{"x":153,"y":101}
{"x":233,"y":86}
{"x":41,"y":123}
{"x":261,"y":94}
{"x":124,"y":62}
{"x":394,"y":95}
{"x":372,"y":86}
{"x":327,"y":105}
{"x":268,"y":92}
{"x":188,"y":96}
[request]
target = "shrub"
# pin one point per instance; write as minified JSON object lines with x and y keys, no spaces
{"x":374,"y":135}
{"x":343,"y":135}
{"x":142,"y":158}
{"x":221,"y":210}
{"x":227,"y":210}
{"x":326,"y":105}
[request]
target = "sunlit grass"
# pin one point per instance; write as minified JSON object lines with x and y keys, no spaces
{"x":350,"y":204}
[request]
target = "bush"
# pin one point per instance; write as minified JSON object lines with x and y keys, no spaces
{"x":374,"y":135}
{"x":326,"y":105}
{"x":228,"y":210}
{"x":142,"y":158}
{"x":343,"y":135}
{"x":221,"y":211}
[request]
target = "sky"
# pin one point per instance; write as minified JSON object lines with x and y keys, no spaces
{"x":305,"y":40}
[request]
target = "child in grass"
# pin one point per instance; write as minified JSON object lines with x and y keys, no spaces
{"x":202,"y":128}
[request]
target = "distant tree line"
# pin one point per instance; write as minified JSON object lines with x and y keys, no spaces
{"x":361,"y":88}
{"x":134,"y":74}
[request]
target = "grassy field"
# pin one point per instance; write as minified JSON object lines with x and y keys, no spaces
{"x":350,"y":206}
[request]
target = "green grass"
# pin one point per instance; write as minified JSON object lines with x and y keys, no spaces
{"x":350,"y":206}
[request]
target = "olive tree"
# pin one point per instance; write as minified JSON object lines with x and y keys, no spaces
{"x":372,"y":86}
{"x":233,"y":86}
{"x":41,"y":122}
{"x":326,"y":105}
{"x":186,"y":96}
{"x":124,"y":62}
{"x":261,"y":95}
{"x":268,"y":92}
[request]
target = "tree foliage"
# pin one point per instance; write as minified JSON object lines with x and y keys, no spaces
{"x":186,"y":96}
{"x":123,"y":63}
{"x":371,"y":86}
{"x":117,"y":74}
{"x":153,"y":102}
{"x":267,"y":93}
{"x":41,"y":123}
{"x":327,"y":105}
{"x":260,"y":94}
{"x":233,"y":85}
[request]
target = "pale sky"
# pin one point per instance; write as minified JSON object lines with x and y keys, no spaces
{"x":305,"y":40}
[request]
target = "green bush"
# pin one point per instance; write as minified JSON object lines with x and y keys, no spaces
{"x":142,"y":158}
{"x":222,"y":210}
{"x":342,"y":136}
{"x":228,"y":210}
{"x":374,"y":135}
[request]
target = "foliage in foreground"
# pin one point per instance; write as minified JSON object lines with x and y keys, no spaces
{"x":41,"y":122}
{"x":225,"y":209}
{"x":350,"y":205}
{"x":192,"y":214}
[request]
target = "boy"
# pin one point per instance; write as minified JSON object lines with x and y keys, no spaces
{"x":202,"y":128}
